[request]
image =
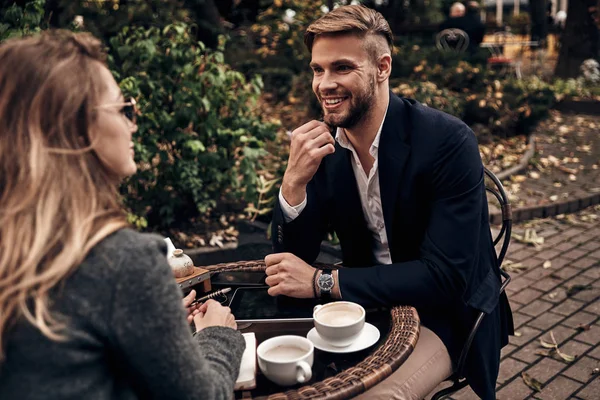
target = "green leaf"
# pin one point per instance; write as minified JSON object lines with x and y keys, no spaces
{"x":196,"y":146}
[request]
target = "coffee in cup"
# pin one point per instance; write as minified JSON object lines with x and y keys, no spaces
{"x":339,"y":323}
{"x":286,"y":360}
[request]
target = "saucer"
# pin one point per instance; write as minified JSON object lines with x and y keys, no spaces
{"x":367,"y":338}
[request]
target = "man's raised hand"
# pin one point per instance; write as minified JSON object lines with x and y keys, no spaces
{"x":310,"y":143}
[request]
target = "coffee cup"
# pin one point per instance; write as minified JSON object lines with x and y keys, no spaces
{"x":339,"y":323}
{"x":286,"y":360}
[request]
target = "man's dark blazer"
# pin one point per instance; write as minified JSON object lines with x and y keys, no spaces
{"x":436,"y":219}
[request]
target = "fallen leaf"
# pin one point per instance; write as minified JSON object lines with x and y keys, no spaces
{"x":534,"y":175}
{"x":518,"y":334}
{"x":582,"y":327}
{"x":547,"y":264}
{"x":571,"y":290}
{"x":565,"y":357}
{"x":531,"y":382}
{"x":554,"y":197}
{"x":548,"y":345}
{"x":553,"y":295}
{"x":572,"y":178}
{"x":595,"y":371}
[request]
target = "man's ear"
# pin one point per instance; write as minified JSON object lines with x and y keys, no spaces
{"x":384,"y":67}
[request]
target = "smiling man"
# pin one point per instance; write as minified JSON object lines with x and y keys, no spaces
{"x":402,"y":186}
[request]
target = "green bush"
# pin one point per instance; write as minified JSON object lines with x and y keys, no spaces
{"x":18,"y":21}
{"x":200,"y":137}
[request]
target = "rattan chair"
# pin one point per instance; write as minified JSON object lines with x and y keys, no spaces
{"x":458,"y":379}
{"x":452,"y":39}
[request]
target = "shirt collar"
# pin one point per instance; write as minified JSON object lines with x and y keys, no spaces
{"x":342,"y":138}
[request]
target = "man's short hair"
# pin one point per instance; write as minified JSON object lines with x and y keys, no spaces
{"x":457,"y":10}
{"x":353,"y":19}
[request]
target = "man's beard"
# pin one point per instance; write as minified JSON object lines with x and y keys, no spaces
{"x":359,"y":107}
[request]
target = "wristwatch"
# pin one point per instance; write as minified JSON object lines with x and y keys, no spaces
{"x":325,"y":284}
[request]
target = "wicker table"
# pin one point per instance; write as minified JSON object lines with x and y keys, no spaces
{"x":337,"y":376}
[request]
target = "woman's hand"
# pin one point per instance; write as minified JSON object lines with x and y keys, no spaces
{"x":193,"y":310}
{"x":212,"y":313}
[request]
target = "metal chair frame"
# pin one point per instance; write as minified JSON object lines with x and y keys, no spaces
{"x":458,"y":379}
{"x":458,"y":36}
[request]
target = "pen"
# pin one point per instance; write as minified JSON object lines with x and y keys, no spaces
{"x":210,"y":296}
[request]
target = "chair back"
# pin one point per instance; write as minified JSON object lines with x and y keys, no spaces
{"x":493,"y":186}
{"x":452,"y":39}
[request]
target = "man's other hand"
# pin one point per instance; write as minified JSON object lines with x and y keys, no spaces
{"x":289,"y":275}
{"x":310,"y":143}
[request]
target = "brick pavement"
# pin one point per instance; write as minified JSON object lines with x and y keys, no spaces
{"x":564,"y":174}
{"x":542,"y":305}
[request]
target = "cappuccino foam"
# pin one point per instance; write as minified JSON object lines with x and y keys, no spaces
{"x":338,"y":316}
{"x":285,"y":352}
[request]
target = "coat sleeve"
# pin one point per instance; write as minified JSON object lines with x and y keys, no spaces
{"x":303,"y":235}
{"x":152,"y":338}
{"x":451,"y":250}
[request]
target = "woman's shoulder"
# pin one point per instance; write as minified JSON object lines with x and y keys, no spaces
{"x":129,"y":248}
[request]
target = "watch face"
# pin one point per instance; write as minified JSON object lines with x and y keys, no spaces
{"x":325,"y":282}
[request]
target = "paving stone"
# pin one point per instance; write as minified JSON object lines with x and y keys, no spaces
{"x":524,"y":254}
{"x":591,"y":390}
{"x":579,"y":318}
{"x":539,"y":272}
{"x":591,"y":245}
{"x":593,"y":308}
{"x":546,"y":320}
{"x":509,"y":368}
{"x":581,"y":370}
{"x":520,"y":319}
{"x":526,"y":296}
{"x":568,"y":307}
{"x":574,"y":348}
{"x":536,"y":308}
{"x":591,"y":336}
{"x":592,"y":272}
{"x":559,"y":389}
{"x":547,"y":284}
{"x":555,"y":296}
{"x":527,"y":353}
{"x":527,"y":334}
{"x":514,"y":390}
{"x":518,"y":282}
{"x":562,"y":334}
{"x":585,"y":262}
{"x":595,"y":352}
{"x":574,"y":254}
{"x":595,"y":254}
{"x":565,"y":272}
{"x":507,"y":350}
{"x":564,"y":246}
{"x":546,"y":369}
{"x":582,"y":238}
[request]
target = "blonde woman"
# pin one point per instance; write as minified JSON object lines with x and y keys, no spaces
{"x":88,"y":307}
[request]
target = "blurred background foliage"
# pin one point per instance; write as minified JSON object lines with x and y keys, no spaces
{"x":219,"y":82}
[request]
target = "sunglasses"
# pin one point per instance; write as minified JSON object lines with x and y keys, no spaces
{"x":128,"y":109}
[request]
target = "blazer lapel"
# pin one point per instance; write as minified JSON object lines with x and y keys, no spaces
{"x":393,"y":154}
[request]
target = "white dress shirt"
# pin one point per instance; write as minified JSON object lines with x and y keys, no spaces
{"x":370,"y":197}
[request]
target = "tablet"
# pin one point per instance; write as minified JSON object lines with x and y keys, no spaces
{"x":254,"y":304}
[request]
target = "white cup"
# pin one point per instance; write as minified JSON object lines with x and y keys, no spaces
{"x":339,"y":323}
{"x":286,"y":360}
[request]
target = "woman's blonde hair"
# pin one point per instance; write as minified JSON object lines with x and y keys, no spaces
{"x":57,"y":200}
